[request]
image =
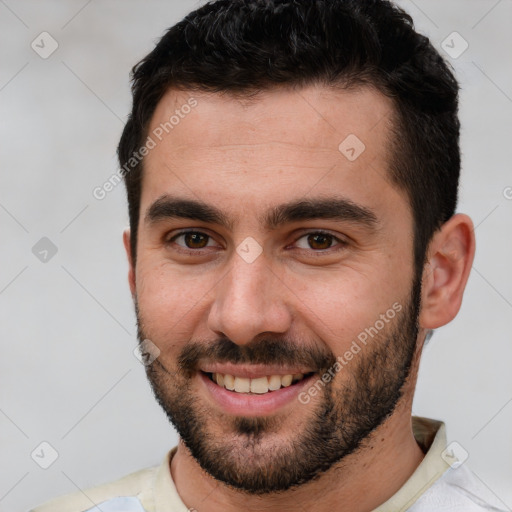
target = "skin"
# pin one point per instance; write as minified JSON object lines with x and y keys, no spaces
{"x":244,"y":158}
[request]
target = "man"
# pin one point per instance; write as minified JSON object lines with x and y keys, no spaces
{"x":292,"y":170}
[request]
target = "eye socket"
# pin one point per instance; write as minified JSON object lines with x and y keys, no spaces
{"x":320,"y":237}
{"x":194,"y":241}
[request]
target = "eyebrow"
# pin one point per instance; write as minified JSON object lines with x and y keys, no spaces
{"x":329,"y":208}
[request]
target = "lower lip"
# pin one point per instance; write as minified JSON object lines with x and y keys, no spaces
{"x":243,"y":404}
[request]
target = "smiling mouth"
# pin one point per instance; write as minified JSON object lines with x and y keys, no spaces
{"x":257,"y":386}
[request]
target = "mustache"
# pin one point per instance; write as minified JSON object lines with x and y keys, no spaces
{"x":267,"y":351}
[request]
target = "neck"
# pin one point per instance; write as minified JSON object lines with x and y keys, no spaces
{"x":361,"y":482}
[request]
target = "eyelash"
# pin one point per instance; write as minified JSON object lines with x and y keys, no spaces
{"x":319,"y":252}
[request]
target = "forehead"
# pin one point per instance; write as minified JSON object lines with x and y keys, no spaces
{"x":313,"y":116}
{"x":283,"y":142}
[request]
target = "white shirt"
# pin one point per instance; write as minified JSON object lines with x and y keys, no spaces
{"x":439,"y":484}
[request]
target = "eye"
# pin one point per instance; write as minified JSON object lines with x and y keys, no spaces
{"x":319,"y":241}
{"x":191,"y":240}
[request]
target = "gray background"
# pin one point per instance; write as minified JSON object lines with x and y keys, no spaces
{"x":67,"y":369}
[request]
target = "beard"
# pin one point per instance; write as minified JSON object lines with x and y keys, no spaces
{"x":251,"y":454}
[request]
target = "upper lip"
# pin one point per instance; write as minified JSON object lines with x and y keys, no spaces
{"x":251,"y":371}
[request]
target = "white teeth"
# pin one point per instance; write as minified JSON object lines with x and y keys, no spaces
{"x":259,"y":385}
{"x":274,"y":382}
{"x":229,"y":382}
{"x":242,"y":385}
{"x":286,"y":380}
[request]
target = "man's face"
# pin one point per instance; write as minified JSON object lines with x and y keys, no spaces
{"x":280,"y":283}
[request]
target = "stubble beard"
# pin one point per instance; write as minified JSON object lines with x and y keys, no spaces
{"x":253,"y":454}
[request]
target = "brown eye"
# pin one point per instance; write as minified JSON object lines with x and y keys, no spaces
{"x":192,"y":239}
{"x":195,"y":240}
{"x":318,"y":241}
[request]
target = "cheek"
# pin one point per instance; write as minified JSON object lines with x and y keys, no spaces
{"x":339,"y":307}
{"x":170,"y":302}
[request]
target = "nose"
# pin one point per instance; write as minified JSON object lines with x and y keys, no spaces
{"x":248,"y":301}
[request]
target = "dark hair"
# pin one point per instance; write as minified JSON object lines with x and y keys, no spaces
{"x":241,"y":47}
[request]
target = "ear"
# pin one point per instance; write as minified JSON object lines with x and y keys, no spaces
{"x":128,"y":249}
{"x":449,"y":260}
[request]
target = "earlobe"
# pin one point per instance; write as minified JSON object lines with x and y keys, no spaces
{"x":131,"y":271}
{"x":449,"y":260}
